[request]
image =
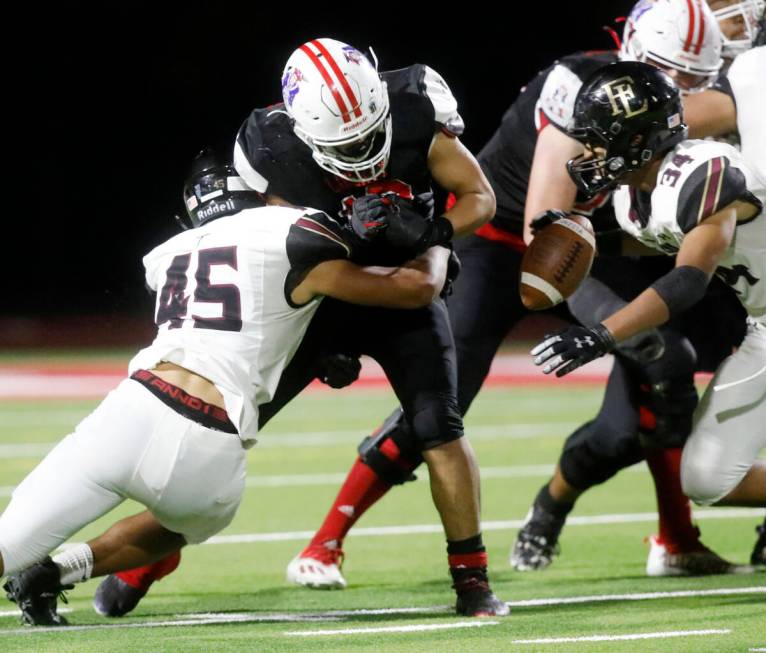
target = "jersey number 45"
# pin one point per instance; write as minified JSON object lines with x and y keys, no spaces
{"x":173,"y":302}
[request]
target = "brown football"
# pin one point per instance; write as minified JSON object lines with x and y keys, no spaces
{"x":556,"y":261}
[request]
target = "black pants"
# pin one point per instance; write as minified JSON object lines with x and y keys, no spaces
{"x":415,"y":349}
{"x":485,"y":306}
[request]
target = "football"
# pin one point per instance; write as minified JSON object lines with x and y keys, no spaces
{"x":556,"y":261}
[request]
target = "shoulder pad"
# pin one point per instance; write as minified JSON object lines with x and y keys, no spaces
{"x":253,"y":146}
{"x":711,"y":186}
{"x":445,"y":105}
{"x":558,"y":94}
{"x":313,"y":238}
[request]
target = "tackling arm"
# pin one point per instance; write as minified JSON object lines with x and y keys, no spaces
{"x":414,"y":284}
{"x":456,"y":170}
{"x":700,"y":251}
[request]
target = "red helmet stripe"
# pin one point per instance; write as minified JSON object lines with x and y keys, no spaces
{"x":690,"y":32}
{"x":701,"y":37}
{"x":341,"y":77}
{"x":329,"y":81}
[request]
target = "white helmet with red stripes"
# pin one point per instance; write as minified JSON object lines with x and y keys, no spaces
{"x":340,"y":108}
{"x":680,"y":36}
{"x":738,"y":21}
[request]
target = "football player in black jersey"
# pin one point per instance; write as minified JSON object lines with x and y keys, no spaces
{"x":525,"y":163}
{"x":367,"y":148}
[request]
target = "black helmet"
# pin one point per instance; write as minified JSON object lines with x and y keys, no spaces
{"x":633,"y":111}
{"x":214,"y":189}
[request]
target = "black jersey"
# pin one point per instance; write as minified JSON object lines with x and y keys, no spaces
{"x":272,"y":159}
{"x":507,"y":158}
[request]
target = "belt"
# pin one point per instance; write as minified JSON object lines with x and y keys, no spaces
{"x":193,"y":408}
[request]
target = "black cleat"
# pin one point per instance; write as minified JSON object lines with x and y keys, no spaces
{"x":474,"y":596}
{"x":115,"y":598}
{"x":35,"y":590}
{"x":758,"y":556}
{"x":538,"y":540}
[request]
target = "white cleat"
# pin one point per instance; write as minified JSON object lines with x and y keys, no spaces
{"x":701,"y":562}
{"x":318,"y":568}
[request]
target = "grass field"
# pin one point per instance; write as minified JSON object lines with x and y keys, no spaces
{"x":230,"y":594}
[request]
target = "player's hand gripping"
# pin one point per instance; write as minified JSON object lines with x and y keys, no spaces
{"x":572,"y":347}
{"x":369,"y":216}
{"x":543,"y":219}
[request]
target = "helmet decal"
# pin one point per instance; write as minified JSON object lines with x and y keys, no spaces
{"x":353,"y":55}
{"x":620,"y":92}
{"x":291,"y":85}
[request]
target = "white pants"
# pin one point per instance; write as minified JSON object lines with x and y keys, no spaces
{"x":729,"y":424}
{"x":132,"y":446}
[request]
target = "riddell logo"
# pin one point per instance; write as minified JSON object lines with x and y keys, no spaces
{"x":214,"y":209}
{"x":353,"y":125}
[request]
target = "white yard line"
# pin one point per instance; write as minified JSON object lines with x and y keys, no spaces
{"x":622,"y":638}
{"x":302,"y":480}
{"x":275,"y":440}
{"x":416,"y":529}
{"x":413,"y":628}
{"x":208,"y":618}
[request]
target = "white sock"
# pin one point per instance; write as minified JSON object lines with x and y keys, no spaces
{"x":75,"y":564}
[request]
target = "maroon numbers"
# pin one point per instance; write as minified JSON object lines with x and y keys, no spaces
{"x":173,"y":303}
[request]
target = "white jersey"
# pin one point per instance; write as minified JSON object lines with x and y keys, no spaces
{"x":747,"y":79}
{"x":223,"y":308}
{"x":695,"y":180}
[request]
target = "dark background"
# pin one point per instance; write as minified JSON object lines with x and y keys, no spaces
{"x":116,"y":100}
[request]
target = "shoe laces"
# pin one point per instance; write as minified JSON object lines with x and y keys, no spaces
{"x":325,"y":555}
{"x":468,"y":580}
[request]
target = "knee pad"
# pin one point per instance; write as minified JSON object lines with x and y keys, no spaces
{"x":437,"y":422}
{"x":668,"y":396}
{"x":595,"y":453}
{"x":705,"y":478}
{"x":390,"y":451}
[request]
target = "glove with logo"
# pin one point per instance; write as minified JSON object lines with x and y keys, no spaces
{"x":572,"y":347}
{"x":339,"y":370}
{"x":369,"y":216}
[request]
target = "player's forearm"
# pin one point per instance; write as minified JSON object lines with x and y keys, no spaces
{"x":429,"y":270}
{"x":471,"y":210}
{"x":646,"y":311}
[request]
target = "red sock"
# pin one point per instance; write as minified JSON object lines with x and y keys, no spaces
{"x":677,"y":531}
{"x":142,"y":577}
{"x":361,"y":489}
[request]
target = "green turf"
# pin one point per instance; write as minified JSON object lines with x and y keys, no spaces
{"x":509,"y":428}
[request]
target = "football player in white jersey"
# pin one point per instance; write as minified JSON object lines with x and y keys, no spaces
{"x":701,"y":201}
{"x":712,"y":112}
{"x":235,"y":295}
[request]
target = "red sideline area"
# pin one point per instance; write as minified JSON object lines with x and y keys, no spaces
{"x":85,"y":380}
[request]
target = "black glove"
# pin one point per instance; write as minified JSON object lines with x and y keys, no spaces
{"x":369,"y":216}
{"x":573,"y":347}
{"x":453,"y":271}
{"x":542,"y":220}
{"x":407,"y":228}
{"x":339,"y":370}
